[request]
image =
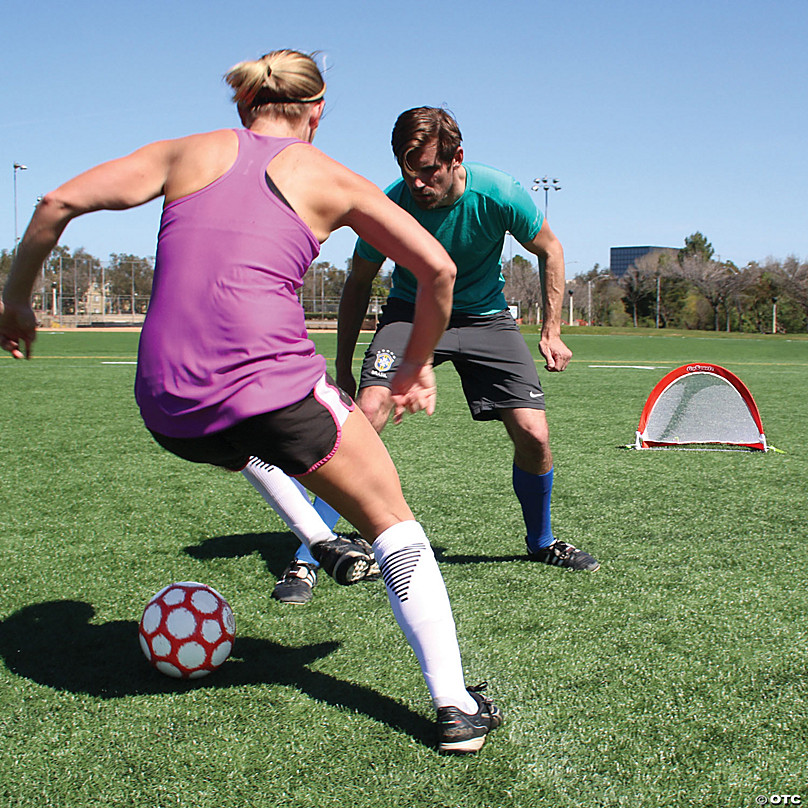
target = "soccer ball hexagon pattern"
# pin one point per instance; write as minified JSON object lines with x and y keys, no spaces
{"x":187,"y":630}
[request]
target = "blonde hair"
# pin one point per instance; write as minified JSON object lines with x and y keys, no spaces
{"x":280,"y":82}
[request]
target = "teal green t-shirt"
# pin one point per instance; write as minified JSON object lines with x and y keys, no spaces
{"x":472,"y":231}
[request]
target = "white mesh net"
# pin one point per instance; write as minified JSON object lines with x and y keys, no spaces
{"x":701,"y":408}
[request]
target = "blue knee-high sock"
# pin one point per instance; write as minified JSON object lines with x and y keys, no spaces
{"x":326,"y":512}
{"x":533,"y":492}
{"x":305,"y":556}
{"x":330,"y":517}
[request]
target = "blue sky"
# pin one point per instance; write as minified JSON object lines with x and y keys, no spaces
{"x":658,"y":119}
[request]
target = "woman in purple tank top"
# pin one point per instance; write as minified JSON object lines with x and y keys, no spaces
{"x":225,"y":368}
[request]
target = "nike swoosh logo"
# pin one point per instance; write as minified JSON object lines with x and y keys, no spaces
{"x":535,"y":395}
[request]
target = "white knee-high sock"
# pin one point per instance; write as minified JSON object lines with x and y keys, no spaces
{"x":421,"y":606}
{"x":289,"y":500}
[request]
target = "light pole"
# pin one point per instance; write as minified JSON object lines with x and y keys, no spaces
{"x":657,"y":300}
{"x":44,"y":272}
{"x":570,"y":293}
{"x":17,"y":167}
{"x":546,"y":184}
{"x":61,"y":297}
{"x":132,"y":303}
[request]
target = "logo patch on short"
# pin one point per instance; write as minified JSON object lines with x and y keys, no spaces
{"x":384,"y":361}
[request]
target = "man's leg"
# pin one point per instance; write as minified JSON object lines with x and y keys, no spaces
{"x":376,"y":402}
{"x":532,"y":471}
{"x":500,"y":381}
{"x":533,"y":485}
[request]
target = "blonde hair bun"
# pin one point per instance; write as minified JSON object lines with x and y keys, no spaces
{"x":282,"y":77}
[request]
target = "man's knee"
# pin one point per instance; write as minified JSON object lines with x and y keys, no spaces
{"x":376,"y":402}
{"x":528,"y":430}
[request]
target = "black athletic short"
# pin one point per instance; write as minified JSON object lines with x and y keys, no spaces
{"x":298,"y":438}
{"x":495,"y":365}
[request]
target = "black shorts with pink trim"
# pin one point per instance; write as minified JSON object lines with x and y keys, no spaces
{"x":297,"y":439}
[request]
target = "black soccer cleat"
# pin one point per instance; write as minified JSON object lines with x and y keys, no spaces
{"x":296,"y":583}
{"x":561,"y":554}
{"x":464,"y":734}
{"x":346,"y":561}
{"x":373,"y":573}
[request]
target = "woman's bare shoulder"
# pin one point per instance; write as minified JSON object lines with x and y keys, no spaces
{"x":197,"y":160}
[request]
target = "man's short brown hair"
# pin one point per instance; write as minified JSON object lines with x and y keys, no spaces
{"x":417,"y":127}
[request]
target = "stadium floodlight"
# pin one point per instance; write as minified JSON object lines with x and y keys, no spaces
{"x":546,"y":184}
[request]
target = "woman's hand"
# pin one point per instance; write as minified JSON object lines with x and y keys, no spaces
{"x":413,"y":388}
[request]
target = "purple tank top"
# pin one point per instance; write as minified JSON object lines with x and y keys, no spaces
{"x":225,"y":336}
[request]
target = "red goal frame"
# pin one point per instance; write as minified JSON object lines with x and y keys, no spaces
{"x":695,"y":367}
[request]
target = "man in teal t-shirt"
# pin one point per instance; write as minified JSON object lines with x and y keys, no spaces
{"x":472,"y":229}
{"x":469,"y":208}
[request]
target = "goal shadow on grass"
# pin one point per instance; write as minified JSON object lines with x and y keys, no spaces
{"x":54,"y":644}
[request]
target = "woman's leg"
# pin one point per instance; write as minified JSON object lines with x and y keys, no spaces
{"x":361,"y":482}
{"x":289,"y":500}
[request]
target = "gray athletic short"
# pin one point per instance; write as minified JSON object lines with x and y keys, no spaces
{"x":495,"y":365}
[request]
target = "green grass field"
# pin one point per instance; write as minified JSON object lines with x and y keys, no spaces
{"x":676,"y":675}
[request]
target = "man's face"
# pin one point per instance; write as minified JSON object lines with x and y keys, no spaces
{"x":433,"y":184}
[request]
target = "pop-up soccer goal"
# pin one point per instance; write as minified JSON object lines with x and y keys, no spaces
{"x":700,"y":404}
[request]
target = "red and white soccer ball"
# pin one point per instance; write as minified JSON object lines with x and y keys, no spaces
{"x":187,"y":630}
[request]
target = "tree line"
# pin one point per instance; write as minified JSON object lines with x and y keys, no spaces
{"x":687,"y":288}
{"x":75,"y":282}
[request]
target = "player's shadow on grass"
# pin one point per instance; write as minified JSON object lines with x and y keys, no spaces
{"x":444,"y":558}
{"x":54,"y":644}
{"x":275,"y":549}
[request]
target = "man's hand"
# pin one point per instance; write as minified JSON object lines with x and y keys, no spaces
{"x":413,"y":388}
{"x":17,"y":329}
{"x":556,"y":354}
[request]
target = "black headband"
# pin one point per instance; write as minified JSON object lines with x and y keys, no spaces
{"x":258,"y":103}
{"x":261,"y":99}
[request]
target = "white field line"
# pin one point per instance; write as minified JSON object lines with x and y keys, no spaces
{"x":632,"y":367}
